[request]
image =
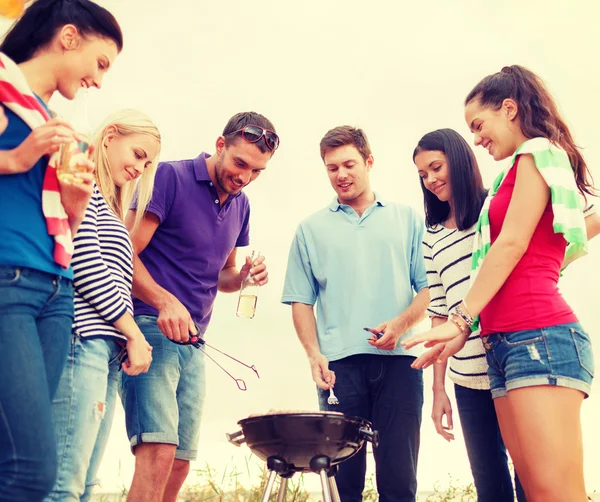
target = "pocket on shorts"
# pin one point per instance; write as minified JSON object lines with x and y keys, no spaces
{"x":519,"y":338}
{"x":583,"y":346}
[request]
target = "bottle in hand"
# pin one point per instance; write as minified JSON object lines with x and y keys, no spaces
{"x":71,"y":153}
{"x":248,"y":295}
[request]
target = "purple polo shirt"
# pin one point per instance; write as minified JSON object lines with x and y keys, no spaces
{"x":195,"y":236}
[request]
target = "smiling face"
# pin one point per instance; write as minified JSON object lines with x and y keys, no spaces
{"x":498,"y":131}
{"x":129,"y":154}
{"x":84,"y":60}
{"x":434,"y":172}
{"x":237,"y":165}
{"x":348,"y":173}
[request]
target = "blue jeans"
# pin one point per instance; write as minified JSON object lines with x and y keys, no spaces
{"x":164,"y":405}
{"x":83,"y":410}
{"x":386,"y":391}
{"x":485,"y":448}
{"x":36,"y":314}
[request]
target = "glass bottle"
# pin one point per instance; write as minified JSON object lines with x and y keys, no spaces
{"x":248,"y":294}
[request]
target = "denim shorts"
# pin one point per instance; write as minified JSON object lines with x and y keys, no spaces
{"x":559,"y":355}
{"x":164,"y":405}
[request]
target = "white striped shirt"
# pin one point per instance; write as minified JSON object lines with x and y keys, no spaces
{"x":447,"y":253}
{"x":103,"y":271}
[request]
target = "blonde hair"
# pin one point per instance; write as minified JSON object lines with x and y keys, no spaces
{"x":125,"y":122}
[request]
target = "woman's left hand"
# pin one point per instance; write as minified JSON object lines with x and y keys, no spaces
{"x":442,"y":333}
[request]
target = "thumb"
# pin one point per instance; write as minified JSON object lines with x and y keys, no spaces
{"x":445,"y":354}
{"x":192,"y":327}
{"x":449,"y":419}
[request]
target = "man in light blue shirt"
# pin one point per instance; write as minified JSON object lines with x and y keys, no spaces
{"x":360,"y":261}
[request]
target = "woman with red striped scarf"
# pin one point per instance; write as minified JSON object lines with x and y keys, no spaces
{"x":57,"y":45}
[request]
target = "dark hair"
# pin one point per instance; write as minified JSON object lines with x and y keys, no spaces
{"x":44,"y":18}
{"x":537,"y":112}
{"x":345,"y":135}
{"x":241,"y":120}
{"x":468,"y":193}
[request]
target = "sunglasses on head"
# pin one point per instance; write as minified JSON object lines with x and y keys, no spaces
{"x":253,"y":134}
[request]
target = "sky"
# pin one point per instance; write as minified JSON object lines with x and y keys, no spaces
{"x":396,"y":69}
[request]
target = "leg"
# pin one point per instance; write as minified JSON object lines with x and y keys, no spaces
{"x":103,"y":434}
{"x":397,"y":392}
{"x":190,"y":398}
{"x":485,"y":448}
{"x":153,"y":463}
{"x":78,"y":409}
{"x":352,"y":392}
{"x":151,"y":403}
{"x":548,"y":428}
{"x":28,"y":452}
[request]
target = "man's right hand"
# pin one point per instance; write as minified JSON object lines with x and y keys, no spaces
{"x":175,"y":321}
{"x":322,"y":375}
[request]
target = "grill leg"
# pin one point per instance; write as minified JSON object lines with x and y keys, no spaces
{"x":325,"y":486}
{"x":282,"y":489}
{"x":335,"y":496}
{"x":269,"y":487}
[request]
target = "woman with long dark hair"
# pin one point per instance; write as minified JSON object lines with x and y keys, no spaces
{"x":531,"y":225}
{"x":57,"y":45}
{"x":454,"y":194}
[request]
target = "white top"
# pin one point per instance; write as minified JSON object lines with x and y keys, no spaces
{"x":103,"y":271}
{"x":447,"y":253}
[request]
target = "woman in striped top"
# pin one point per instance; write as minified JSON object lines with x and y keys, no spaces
{"x":126,"y":151}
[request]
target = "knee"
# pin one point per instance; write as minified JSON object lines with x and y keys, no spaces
{"x":156,"y":457}
{"x":181,"y":469}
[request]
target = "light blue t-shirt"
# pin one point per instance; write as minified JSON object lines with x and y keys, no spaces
{"x":360,"y":271}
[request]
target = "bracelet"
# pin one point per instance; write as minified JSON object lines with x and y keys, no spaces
{"x":463,"y":328}
{"x":463,"y":313}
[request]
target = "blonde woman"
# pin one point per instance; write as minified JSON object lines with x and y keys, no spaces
{"x":126,"y":152}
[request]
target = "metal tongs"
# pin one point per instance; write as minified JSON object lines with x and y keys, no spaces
{"x":198,"y":342}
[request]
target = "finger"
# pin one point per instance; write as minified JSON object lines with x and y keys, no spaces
{"x":332,"y":373}
{"x":411,"y":341}
{"x":174,"y":325}
{"x":85,"y":177}
{"x":183,"y":330}
{"x":258,"y":277}
{"x":165,"y":327}
{"x":264,"y":281}
{"x":192,"y":327}
{"x":449,"y":419}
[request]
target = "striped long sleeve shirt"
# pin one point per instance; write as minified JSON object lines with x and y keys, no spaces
{"x":447,"y":253}
{"x":103,"y":271}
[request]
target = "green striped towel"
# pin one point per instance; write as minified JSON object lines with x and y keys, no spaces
{"x":567,"y":203}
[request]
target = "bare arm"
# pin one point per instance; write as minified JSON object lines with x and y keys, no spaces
{"x":592,"y":225}
{"x":306,"y":329}
{"x":174,"y":320}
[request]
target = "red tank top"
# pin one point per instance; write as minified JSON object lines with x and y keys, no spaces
{"x":529,"y":299}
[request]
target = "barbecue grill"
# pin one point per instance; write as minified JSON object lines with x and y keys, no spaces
{"x":293,"y":442}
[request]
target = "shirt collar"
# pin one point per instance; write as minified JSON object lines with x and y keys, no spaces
{"x":335,"y":204}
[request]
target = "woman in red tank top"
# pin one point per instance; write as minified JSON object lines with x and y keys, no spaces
{"x":540,"y":358}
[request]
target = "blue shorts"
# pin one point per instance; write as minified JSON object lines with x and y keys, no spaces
{"x":559,"y":355}
{"x":164,"y":405}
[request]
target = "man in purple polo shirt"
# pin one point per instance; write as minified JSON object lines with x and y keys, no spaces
{"x":185,"y":251}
